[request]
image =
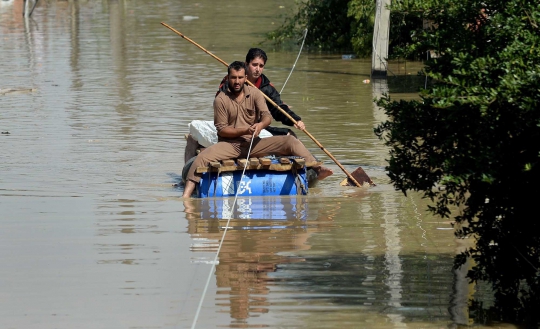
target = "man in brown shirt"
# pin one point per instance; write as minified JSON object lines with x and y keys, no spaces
{"x":240,"y":113}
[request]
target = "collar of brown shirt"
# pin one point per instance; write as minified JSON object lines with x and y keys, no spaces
{"x":239,"y":114}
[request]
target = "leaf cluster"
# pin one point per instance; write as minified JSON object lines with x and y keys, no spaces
{"x":329,"y":26}
{"x":472,"y":140}
{"x":343,"y":25}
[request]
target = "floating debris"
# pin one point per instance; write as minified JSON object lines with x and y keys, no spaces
{"x":16,"y":91}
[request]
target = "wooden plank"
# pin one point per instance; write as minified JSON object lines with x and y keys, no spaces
{"x":228,"y":163}
{"x":201,"y":170}
{"x":253,"y":162}
{"x":241,"y":162}
{"x":280,"y":167}
{"x":273,"y":167}
{"x":301,"y":162}
{"x":215,"y":164}
{"x":265,"y":161}
{"x":283,"y":160}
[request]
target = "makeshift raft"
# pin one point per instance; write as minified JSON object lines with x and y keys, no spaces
{"x":265,"y":176}
{"x":262,"y":177}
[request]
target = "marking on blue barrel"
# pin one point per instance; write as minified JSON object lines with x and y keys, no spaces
{"x":227,"y":185}
{"x":244,"y":186}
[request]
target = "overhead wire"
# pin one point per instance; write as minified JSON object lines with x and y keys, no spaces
{"x":297,"y":57}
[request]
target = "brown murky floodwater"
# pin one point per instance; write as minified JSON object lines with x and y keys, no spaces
{"x":93,"y":234}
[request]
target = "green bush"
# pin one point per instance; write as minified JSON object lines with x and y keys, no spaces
{"x":472,"y":141}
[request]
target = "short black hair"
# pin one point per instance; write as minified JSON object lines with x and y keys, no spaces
{"x":254,"y":53}
{"x":237,"y":66}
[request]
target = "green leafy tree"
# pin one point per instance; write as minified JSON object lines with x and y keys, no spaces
{"x":344,"y":25}
{"x":329,"y":27}
{"x":472,"y":140}
{"x":363,"y":13}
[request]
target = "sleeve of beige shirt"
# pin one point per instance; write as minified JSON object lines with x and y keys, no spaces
{"x":221,"y":117}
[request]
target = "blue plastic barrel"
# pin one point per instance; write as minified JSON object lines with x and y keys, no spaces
{"x":253,"y":183}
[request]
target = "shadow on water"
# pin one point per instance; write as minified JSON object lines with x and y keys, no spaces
{"x":403,"y":84}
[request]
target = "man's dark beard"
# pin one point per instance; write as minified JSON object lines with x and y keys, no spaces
{"x":231,"y":88}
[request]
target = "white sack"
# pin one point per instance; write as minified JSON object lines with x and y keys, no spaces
{"x":205,"y":133}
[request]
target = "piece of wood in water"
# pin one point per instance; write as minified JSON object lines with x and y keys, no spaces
{"x":265,"y":161}
{"x":16,"y":91}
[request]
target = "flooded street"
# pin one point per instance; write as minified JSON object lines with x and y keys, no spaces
{"x":96,"y":97}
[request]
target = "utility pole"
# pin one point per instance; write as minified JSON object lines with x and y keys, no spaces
{"x":379,"y":64}
{"x":25,"y":8}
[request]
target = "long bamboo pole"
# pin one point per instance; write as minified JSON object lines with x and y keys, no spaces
{"x":273,"y":103}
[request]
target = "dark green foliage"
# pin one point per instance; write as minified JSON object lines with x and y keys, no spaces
{"x":404,"y":28}
{"x":473,"y":139}
{"x":343,"y":25}
{"x":363,"y":12}
{"x":329,"y":27}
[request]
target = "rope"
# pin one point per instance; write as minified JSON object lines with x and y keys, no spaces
{"x":305,"y":34}
{"x":221,"y":242}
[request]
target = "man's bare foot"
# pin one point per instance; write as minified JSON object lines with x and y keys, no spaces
{"x":323,"y":172}
{"x":188,"y":189}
